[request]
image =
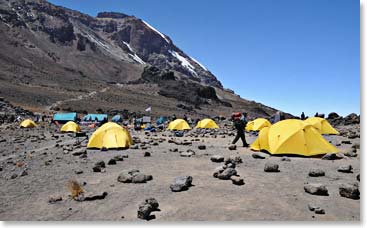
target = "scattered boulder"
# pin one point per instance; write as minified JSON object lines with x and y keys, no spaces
{"x":54,"y":199}
{"x":345,"y":169}
{"x":98,"y":166}
{"x":316,"y":189}
{"x":90,"y":196}
{"x":118,"y":158}
{"x":346,"y":142}
{"x":319,"y":211}
{"x":133,"y":176}
{"x":349,"y":191}
{"x":351,"y":154}
{"x":234,"y":160}
{"x":258,"y":155}
{"x":227,"y":173}
{"x":284,"y":158}
{"x":357,"y":177}
{"x":79,"y":152}
{"x":147,"y":154}
{"x":112,"y":161}
{"x":271,"y":167}
{"x":232,"y":147}
{"x":78,"y":171}
{"x":201,"y":147}
{"x":330,"y":156}
{"x":181,"y":183}
{"x":188,"y":153}
{"x":147,"y":207}
{"x":316,"y":173}
{"x":217,"y":158}
{"x":23,"y":173}
{"x":134,"y":147}
{"x":237,"y":180}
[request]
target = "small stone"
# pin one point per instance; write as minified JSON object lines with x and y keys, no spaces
{"x":258,"y":156}
{"x":357,"y":177}
{"x":134,"y":147}
{"x":153,"y":202}
{"x":181,"y":183}
{"x":351,"y":154}
{"x":97,"y":169}
{"x":201,"y":147}
{"x":90,"y":196}
{"x":78,"y":171}
{"x":227,"y":173}
{"x":319,"y":211}
{"x":232,"y":147}
{"x":146,"y":154}
{"x":54,"y":199}
{"x":330,"y":156}
{"x":284,"y":158}
{"x":144,"y":211}
{"x":345,"y":169}
{"x":217,"y":158}
{"x":24,"y":173}
{"x":346,"y":142}
{"x":118,"y":158}
{"x":237,"y":180}
{"x":13,"y":176}
{"x":311,"y":207}
{"x":316,"y":173}
{"x":139,"y":178}
{"x":188,"y":153}
{"x":234,"y":160}
{"x":100,"y":164}
{"x":271,"y":167}
{"x":316,"y":189}
{"x":349,"y":191}
{"x":124,"y":177}
{"x":79,"y":152}
{"x":112,"y":161}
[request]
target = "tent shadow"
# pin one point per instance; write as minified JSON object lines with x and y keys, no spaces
{"x":291,"y":155}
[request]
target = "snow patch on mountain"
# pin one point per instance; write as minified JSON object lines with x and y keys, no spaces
{"x":201,"y":65}
{"x":155,"y":30}
{"x":184,"y":62}
{"x":137,"y":58}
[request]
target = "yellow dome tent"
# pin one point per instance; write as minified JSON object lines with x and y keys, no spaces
{"x":293,"y":137}
{"x":262,"y":141}
{"x":322,"y":125}
{"x":257,"y":125}
{"x":28,"y":123}
{"x":111,"y":136}
{"x":70,"y":127}
{"x":179,"y":124}
{"x":206,"y":123}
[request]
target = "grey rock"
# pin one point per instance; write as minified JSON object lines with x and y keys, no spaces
{"x":181,"y":183}
{"x":349,"y":191}
{"x":201,"y":147}
{"x":100,"y":164}
{"x":78,"y":171}
{"x":227,"y":173}
{"x":217,"y":158}
{"x":316,"y":189}
{"x":357,"y":177}
{"x":351,"y":154}
{"x":124,"y":177}
{"x":79,"y":152}
{"x":153,"y":202}
{"x":271,"y":167}
{"x":345,"y":169}
{"x":139,"y":178}
{"x":234,"y":160}
{"x":112,"y":161}
{"x":284,"y":158}
{"x":54,"y":199}
{"x":144,"y":211}
{"x":188,"y":153}
{"x":90,"y":196}
{"x":134,"y":147}
{"x":118,"y":158}
{"x":330,"y":156}
{"x":316,"y":173}
{"x":13,"y":176}
{"x":232,"y":147}
{"x":319,"y":211}
{"x":258,"y":155}
{"x":147,"y":154}
{"x":237,"y":180}
{"x":24,"y":173}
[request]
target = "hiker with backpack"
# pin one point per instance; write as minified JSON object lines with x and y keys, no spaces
{"x":239,"y":122}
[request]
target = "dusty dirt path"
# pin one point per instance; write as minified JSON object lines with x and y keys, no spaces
{"x":78,"y":98}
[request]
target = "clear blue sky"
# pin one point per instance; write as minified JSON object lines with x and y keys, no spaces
{"x":293,"y":55}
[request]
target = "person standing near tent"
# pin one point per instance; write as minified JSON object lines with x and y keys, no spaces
{"x":239,"y":123}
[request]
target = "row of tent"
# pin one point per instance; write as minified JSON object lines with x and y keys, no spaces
{"x":72,"y":116}
{"x":290,"y":136}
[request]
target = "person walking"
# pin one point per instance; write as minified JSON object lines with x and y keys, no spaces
{"x":239,"y":122}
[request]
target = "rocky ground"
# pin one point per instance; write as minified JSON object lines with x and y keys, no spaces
{"x":195,"y":177}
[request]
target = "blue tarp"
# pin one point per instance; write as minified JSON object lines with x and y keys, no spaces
{"x":116,"y":119}
{"x":161,"y":120}
{"x":92,"y":117}
{"x":64,"y":117}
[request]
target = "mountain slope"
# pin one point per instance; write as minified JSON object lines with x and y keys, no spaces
{"x":53,"y":57}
